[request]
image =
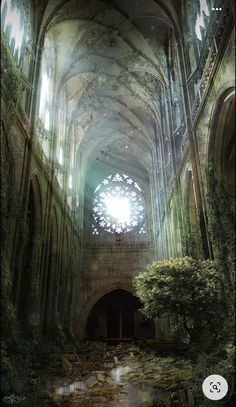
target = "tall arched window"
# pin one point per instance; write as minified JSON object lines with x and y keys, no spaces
{"x":44,"y":107}
{"x":200,"y":25}
{"x":14,"y":25}
{"x":118,"y":206}
{"x":45,"y":113}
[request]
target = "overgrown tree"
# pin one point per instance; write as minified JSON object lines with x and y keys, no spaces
{"x":190,"y":291}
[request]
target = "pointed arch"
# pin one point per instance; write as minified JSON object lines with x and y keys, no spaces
{"x":221,"y":147}
{"x":28,"y":301}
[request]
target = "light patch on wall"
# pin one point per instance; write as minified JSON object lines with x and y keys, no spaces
{"x":70,"y":183}
{"x":61,"y":156}
{"x":69,"y":201}
{"x":44,"y":93}
{"x":47,"y":120}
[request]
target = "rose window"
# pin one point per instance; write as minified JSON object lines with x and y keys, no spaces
{"x":118,"y":206}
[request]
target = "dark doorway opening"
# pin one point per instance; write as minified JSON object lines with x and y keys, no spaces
{"x":116,"y":316}
{"x":113,"y":322}
{"x":120,"y":323}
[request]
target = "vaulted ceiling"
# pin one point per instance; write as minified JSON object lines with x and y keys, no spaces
{"x":109,"y":59}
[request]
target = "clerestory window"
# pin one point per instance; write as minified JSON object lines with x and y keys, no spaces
{"x":200,"y":22}
{"x":14,"y":25}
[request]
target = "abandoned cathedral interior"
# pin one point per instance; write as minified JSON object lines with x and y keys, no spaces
{"x":117,"y":202}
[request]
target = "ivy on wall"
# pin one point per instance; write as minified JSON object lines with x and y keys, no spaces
{"x":8,"y":211}
{"x":11,"y":72}
{"x":191,"y":241}
{"x":221,"y":223}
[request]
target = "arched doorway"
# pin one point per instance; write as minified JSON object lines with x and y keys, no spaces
{"x":116,"y":315}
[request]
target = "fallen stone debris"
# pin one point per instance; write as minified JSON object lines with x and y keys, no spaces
{"x":122,"y":375}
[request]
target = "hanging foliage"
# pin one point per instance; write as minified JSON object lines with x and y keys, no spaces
{"x":11,"y":72}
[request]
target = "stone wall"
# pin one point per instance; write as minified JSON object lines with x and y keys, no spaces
{"x":52,"y":273}
{"x":106,"y":269}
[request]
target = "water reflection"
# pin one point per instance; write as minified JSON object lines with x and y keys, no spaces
{"x":67,"y":389}
{"x":141,"y":394}
{"x":135,"y":395}
{"x":118,"y":372}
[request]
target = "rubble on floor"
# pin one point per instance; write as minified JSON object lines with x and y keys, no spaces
{"x":100,"y":375}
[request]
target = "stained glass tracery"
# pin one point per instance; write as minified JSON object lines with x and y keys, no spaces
{"x":118,"y":206}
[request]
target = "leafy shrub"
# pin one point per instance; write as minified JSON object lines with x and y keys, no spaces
{"x":189,"y":290}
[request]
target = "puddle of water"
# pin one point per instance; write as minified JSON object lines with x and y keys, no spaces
{"x":154,"y":391}
{"x":138,"y":395}
{"x":67,"y":389}
{"x":134,"y":395}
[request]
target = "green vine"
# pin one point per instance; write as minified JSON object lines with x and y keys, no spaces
{"x":191,"y":240}
{"x":221,"y":223}
{"x":11,"y":77}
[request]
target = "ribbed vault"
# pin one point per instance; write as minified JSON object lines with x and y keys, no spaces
{"x":109,"y":67}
